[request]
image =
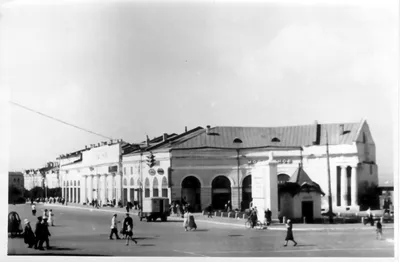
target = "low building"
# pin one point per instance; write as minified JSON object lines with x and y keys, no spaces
{"x":300,"y":198}
{"x":33,"y":178}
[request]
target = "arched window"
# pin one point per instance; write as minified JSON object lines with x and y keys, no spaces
{"x":155,"y":187}
{"x":147,"y":188}
{"x":132,"y":183}
{"x":138,"y":182}
{"x":282,"y":178}
{"x":164,"y":187}
{"x":125,"y":183}
{"x":74,"y":183}
{"x":79,"y":183}
{"x":275,"y":139}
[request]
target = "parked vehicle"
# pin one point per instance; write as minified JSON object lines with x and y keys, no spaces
{"x":14,"y":224}
{"x":154,"y":208}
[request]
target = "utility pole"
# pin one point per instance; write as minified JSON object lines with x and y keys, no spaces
{"x":330,"y":212}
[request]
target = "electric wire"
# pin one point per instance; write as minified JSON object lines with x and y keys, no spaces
{"x":61,"y":121}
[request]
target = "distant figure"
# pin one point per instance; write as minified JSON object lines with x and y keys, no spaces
{"x":51,"y":218}
{"x":289,"y":233}
{"x":114,"y":229}
{"x":33,"y":209}
{"x":268,"y":216}
{"x":378,"y":230}
{"x":186,"y":220}
{"x":45,"y":215}
{"x":209,"y":209}
{"x":29,"y":236}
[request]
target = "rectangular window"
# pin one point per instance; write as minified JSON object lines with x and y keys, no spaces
{"x":131,"y":170}
{"x":165,"y":192}
{"x":124,"y":170}
{"x":155,"y":192}
{"x":370,"y":169}
{"x":147,"y":192}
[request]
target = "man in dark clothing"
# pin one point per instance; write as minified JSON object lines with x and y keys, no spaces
{"x":46,"y":233}
{"x":209,"y":209}
{"x":127,"y":221}
{"x":268,"y":216}
{"x":39,"y":234}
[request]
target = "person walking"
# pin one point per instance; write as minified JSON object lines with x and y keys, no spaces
{"x":209,"y":209}
{"x":39,"y":234}
{"x":289,"y":233}
{"x":127,"y":229}
{"x":254,"y":217}
{"x":46,"y":233}
{"x":268,"y":216}
{"x":45,"y":214}
{"x":114,"y":229}
{"x":29,"y":236}
{"x":379,"y":230}
{"x":51,"y":218}
{"x":33,"y":210}
{"x":186,"y":220}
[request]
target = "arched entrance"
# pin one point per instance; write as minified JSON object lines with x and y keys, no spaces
{"x":191,"y":192}
{"x":221,"y":192}
{"x":282,"y":179}
{"x":246,"y":192}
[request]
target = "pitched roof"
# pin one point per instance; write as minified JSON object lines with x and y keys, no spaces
{"x":300,"y":176}
{"x":287,"y":136}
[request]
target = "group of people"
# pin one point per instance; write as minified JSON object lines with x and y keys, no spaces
{"x":41,"y":234}
{"x":127,"y":228}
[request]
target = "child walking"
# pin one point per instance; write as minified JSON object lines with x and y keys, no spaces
{"x":379,"y":230}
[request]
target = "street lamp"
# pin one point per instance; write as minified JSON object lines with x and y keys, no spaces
{"x":238,"y":141}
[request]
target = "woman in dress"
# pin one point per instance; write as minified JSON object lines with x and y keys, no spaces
{"x":289,"y":234}
{"x":29,"y":236}
{"x":186,"y":220}
{"x":192,"y":223}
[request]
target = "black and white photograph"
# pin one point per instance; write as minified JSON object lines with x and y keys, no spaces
{"x":200,"y":129}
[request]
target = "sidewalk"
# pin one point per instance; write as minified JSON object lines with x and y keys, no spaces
{"x":236,"y":222}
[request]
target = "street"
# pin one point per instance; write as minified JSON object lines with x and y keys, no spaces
{"x":81,"y":232}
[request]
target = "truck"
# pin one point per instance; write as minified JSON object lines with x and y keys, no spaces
{"x":154,"y":208}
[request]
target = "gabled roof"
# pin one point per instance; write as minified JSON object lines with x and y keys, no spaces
{"x":300,"y":176}
{"x":287,"y":136}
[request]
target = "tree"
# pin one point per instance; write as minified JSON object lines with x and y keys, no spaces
{"x":37,"y":192}
{"x":368,"y":196}
{"x":14,"y":192}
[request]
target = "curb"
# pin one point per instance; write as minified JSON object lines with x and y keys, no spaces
{"x":231,"y":224}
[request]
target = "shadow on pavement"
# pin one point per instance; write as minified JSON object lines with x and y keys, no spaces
{"x":58,"y":254}
{"x":201,"y":230}
{"x":298,"y":245}
{"x":235,"y":235}
{"x":147,"y":245}
{"x":62,"y":248}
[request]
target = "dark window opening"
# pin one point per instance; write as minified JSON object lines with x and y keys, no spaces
{"x":155,"y":192}
{"x":147,"y":192}
{"x":275,"y":139}
{"x":164,"y":192}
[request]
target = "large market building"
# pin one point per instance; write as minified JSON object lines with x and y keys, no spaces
{"x":215,"y":165}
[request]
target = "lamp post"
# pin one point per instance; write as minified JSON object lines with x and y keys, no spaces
{"x":238,"y":141}
{"x":330,"y":212}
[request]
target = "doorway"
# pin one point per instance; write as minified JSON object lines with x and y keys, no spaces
{"x":307,"y":211}
{"x":221,"y":192}
{"x":191,"y":192}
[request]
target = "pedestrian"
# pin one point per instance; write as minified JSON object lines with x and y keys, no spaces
{"x":114,"y":229}
{"x":192,"y":223}
{"x":268,"y":216}
{"x":127,"y":208}
{"x":127,"y":229}
{"x":379,"y":230}
{"x":39,"y":234}
{"x":209,"y":209}
{"x":186,"y":220}
{"x":51,"y":218}
{"x":254,"y":217}
{"x":33,"y":210}
{"x":289,"y":233}
{"x":46,"y":233}
{"x":45,"y":214}
{"x":29,"y":236}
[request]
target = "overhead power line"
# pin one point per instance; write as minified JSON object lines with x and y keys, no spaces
{"x":61,"y":121}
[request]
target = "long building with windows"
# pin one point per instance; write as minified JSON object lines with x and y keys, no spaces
{"x":214,"y":165}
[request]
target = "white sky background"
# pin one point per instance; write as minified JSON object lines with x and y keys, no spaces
{"x":126,"y":69}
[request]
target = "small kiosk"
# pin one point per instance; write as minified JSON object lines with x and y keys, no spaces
{"x":300,"y":198}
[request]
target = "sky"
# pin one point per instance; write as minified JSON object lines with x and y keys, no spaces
{"x":127,"y":69}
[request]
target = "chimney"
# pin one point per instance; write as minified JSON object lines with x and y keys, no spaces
{"x":208,"y":130}
{"x":147,"y":140}
{"x":165,"y":137}
{"x":317,"y":139}
{"x":185,"y":129}
{"x":341,"y":129}
{"x":98,"y":144}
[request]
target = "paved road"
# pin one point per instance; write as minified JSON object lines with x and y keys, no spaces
{"x":85,"y":232}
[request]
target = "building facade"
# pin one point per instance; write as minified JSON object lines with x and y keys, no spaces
{"x":215,"y":165}
{"x":16,"y":179}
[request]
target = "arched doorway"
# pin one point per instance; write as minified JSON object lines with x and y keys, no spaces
{"x":221,"y":192}
{"x":191,"y":192}
{"x":246,"y":192}
{"x":147,"y":188}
